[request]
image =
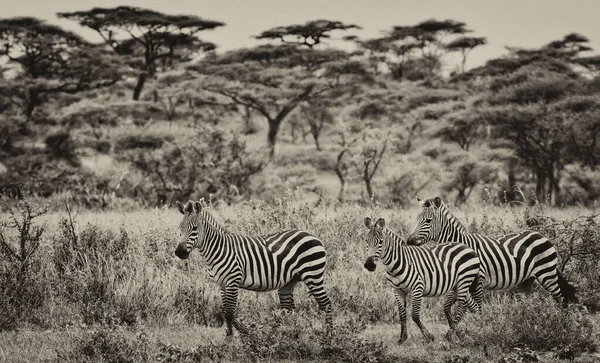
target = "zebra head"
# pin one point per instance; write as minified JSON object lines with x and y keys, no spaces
{"x":374,"y":242}
{"x":190,"y":228}
{"x":429,"y":222}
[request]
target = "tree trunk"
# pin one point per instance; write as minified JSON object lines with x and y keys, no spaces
{"x":137,"y":91}
{"x":317,"y":145}
{"x":540,"y":184}
{"x":33,"y":100}
{"x":512,"y":181}
{"x":272,"y":134}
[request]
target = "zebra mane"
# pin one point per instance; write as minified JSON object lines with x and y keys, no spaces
{"x":451,"y":217}
{"x":396,"y":237}
{"x":207,"y":217}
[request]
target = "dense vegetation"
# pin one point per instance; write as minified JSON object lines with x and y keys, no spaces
{"x":301,"y":131}
{"x":384,"y":119}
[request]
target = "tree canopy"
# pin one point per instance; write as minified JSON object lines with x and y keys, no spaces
{"x":158,"y":36}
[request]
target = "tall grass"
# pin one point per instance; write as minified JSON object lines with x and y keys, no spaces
{"x":119,"y":269}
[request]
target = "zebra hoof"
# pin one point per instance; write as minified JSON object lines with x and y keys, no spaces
{"x":448,"y":336}
{"x":402,"y":339}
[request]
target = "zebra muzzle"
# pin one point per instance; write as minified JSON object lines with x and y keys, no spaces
{"x":182,"y":252}
{"x":370,"y":264}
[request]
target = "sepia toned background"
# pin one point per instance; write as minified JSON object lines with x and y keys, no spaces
{"x":287,"y":114}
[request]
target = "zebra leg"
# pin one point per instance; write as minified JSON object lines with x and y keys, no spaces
{"x":549,"y":281}
{"x":450,"y":300}
{"x":318,"y":292}
{"x":401,"y":302}
{"x":229,"y":296}
{"x":286,"y":296}
{"x":462,"y":297}
{"x":476,"y":292}
{"x":416,"y":299}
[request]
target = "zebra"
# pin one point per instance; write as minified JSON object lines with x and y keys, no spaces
{"x":277,"y":261}
{"x":507,"y":261}
{"x":450,"y":269}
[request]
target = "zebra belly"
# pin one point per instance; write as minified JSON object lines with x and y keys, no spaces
{"x":503,"y":270}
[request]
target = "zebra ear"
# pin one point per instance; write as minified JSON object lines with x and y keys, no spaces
{"x":437,"y":202}
{"x":420,"y":201}
{"x":197,"y":207}
{"x":368,"y":222}
{"x":189,"y":207}
{"x":180,"y":207}
{"x":380,"y":223}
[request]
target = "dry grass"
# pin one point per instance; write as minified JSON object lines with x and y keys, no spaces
{"x":130,"y":279}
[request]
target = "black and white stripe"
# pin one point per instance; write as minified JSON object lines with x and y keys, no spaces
{"x":274,"y":262}
{"x":507,"y":261}
{"x":450,"y":269}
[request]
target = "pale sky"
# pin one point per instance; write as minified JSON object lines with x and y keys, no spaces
{"x":520,"y":23}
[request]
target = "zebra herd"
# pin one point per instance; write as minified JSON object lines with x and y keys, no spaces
{"x":459,"y":266}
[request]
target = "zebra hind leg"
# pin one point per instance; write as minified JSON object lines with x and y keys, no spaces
{"x":286,"y":296}
{"x":450,"y":300}
{"x":549,"y":281}
{"x":318,"y":292}
{"x":464,"y":300}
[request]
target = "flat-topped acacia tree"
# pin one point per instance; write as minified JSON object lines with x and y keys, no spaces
{"x":51,"y":60}
{"x":309,"y":34}
{"x":153,"y":36}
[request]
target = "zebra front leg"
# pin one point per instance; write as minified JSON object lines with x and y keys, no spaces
{"x":229,"y":296}
{"x":416,"y":299}
{"x":401,"y":302}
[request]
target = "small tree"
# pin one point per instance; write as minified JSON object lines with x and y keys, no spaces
{"x":147,"y":35}
{"x":369,"y":158}
{"x":465,"y":45}
{"x":317,"y":115}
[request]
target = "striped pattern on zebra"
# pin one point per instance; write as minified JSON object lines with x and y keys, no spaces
{"x":450,"y":269}
{"x":274,"y":262}
{"x":507,"y":261}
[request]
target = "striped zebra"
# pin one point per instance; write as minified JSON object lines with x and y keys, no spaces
{"x":508,"y":261}
{"x":274,"y":262}
{"x":450,"y":269}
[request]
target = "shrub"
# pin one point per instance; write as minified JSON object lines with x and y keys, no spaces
{"x":61,"y":145}
{"x":535,"y":321}
{"x":131,"y":142}
{"x":109,"y":345}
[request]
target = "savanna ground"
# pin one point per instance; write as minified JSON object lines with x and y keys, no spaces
{"x":106,"y":287}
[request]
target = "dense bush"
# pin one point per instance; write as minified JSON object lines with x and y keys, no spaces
{"x":534,"y":321}
{"x":143,"y":141}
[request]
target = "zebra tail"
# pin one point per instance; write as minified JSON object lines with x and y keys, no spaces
{"x":566,"y":289}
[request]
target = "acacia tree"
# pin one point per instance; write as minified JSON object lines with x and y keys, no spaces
{"x":429,"y":37}
{"x":396,"y":53}
{"x":151,"y":36}
{"x":274,"y":80}
{"x":465,"y":45}
{"x":51,"y":60}
{"x":309,"y":34}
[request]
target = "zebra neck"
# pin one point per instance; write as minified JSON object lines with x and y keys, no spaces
{"x":214,"y":243}
{"x":390,"y":249}
{"x":452,"y":230}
